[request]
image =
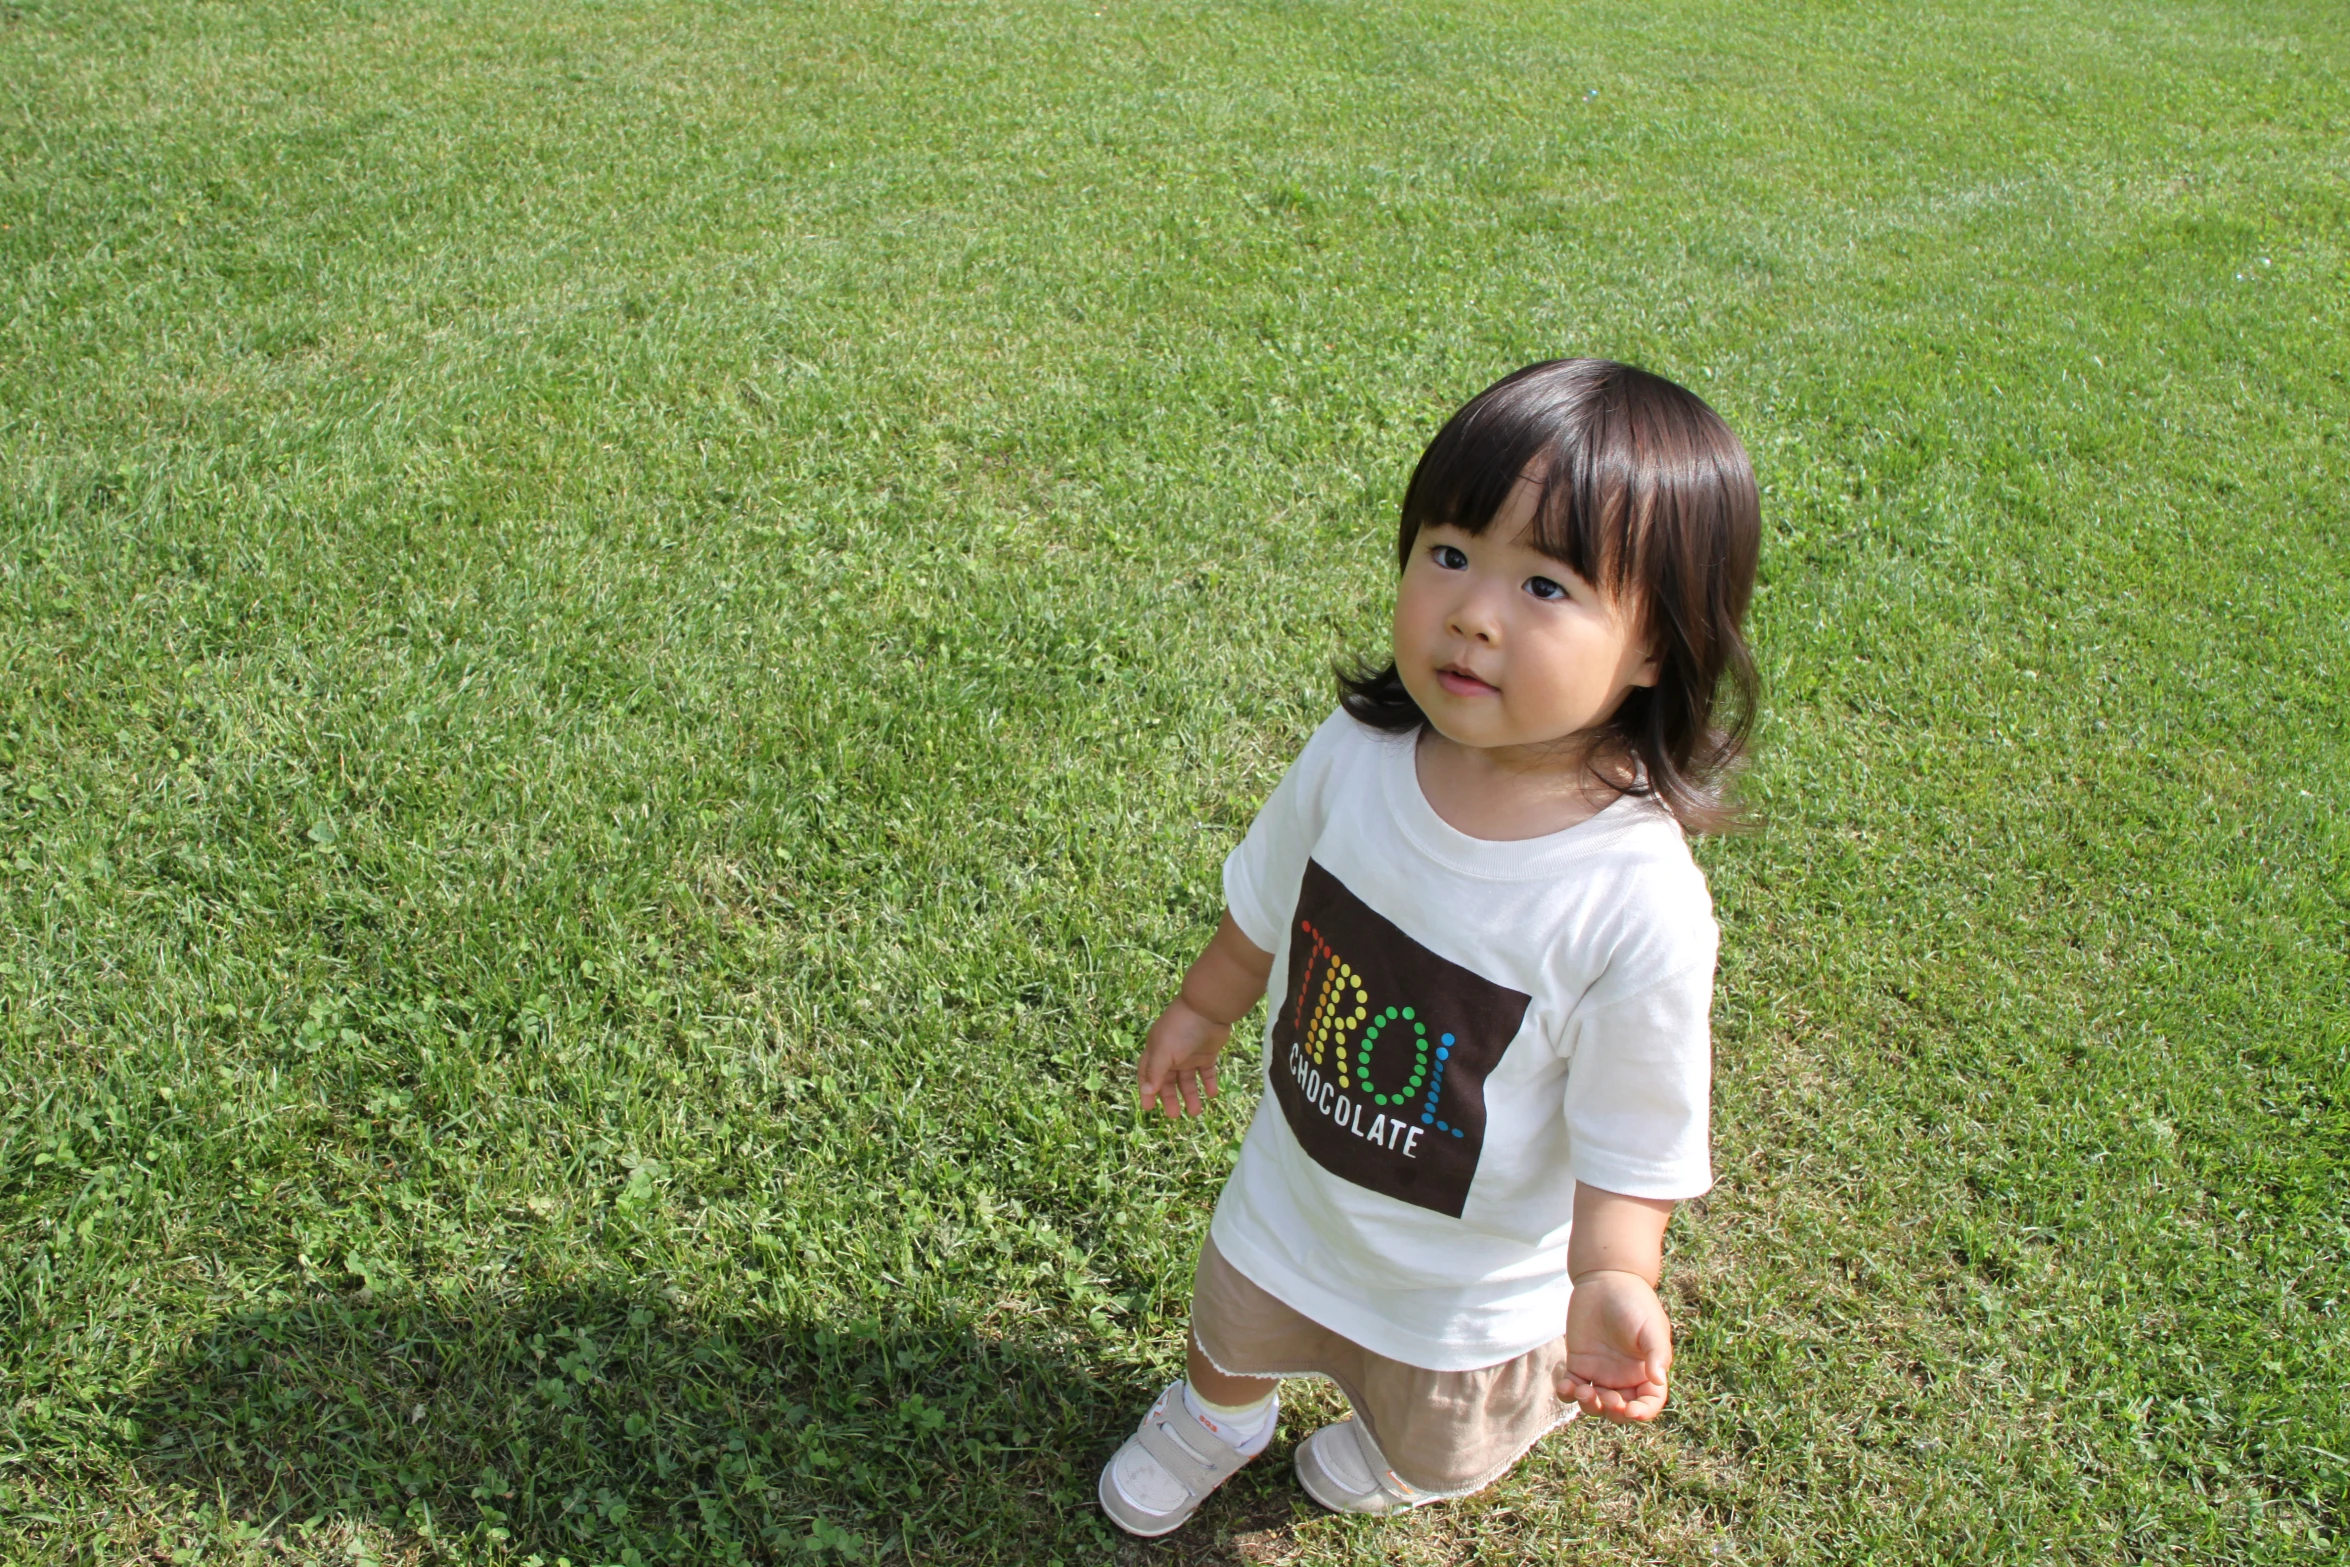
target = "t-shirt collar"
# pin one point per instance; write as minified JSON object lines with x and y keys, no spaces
{"x":1510,"y":859}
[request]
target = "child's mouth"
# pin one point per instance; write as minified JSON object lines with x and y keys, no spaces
{"x":1459,"y":682}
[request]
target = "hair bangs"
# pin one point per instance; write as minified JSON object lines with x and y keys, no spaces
{"x":1543,"y":425}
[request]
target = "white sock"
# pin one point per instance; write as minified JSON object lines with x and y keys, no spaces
{"x":1248,"y":1427}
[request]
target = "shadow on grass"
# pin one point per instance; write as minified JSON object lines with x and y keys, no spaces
{"x":610,"y":1428}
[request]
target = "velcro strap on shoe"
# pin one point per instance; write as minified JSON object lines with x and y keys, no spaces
{"x":1198,"y":1473}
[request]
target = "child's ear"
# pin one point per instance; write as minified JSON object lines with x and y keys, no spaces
{"x":1651,"y":669}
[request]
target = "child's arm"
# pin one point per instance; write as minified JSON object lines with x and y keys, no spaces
{"x":1178,"y":1067}
{"x":1619,"y":1341}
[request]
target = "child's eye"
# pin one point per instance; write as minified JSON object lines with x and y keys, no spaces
{"x":1449,"y":558}
{"x":1544,"y":588}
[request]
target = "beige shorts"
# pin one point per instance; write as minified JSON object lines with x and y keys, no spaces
{"x":1449,"y":1432}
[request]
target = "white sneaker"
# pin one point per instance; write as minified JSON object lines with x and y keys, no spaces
{"x":1157,"y":1480}
{"x":1343,"y":1469}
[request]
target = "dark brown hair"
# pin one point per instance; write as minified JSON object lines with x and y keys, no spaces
{"x":1644,"y":492}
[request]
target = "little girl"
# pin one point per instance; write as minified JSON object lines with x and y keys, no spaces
{"x":1491,"y":961}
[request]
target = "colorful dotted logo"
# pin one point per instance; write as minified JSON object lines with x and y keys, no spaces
{"x":1336,"y":1019}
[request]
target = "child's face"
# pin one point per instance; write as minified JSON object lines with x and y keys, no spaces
{"x":1503,"y":646}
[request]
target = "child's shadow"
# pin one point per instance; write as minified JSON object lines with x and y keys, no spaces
{"x":608,"y":1427}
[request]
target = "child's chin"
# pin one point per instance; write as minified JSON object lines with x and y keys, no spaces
{"x":1466,"y":729}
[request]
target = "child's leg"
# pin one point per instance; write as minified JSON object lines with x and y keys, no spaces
{"x":1221,"y":1389}
{"x":1195,"y":1437}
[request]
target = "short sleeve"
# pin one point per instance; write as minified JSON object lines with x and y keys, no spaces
{"x":1261,"y":876}
{"x":1640,"y":1086}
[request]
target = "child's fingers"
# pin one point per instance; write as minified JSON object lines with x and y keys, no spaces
{"x":1175,"y":1091}
{"x":1159,"y":1093}
{"x":1609,"y":1403}
{"x":1646,"y":1405}
{"x":1642,"y":1403}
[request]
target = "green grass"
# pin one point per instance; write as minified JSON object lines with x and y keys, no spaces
{"x":630,"y":635}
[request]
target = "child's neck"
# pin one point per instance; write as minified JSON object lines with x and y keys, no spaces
{"x":1505,"y":793}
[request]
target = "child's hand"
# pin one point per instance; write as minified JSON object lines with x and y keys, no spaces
{"x":1177,"y":1071}
{"x":1619,"y":1347}
{"x":1178,"y":1067}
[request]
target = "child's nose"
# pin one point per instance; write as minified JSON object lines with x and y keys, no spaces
{"x":1475,"y":617}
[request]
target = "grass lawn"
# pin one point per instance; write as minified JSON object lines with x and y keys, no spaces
{"x":631,"y":634}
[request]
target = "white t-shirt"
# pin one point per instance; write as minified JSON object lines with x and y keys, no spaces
{"x":1458,"y":1030}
